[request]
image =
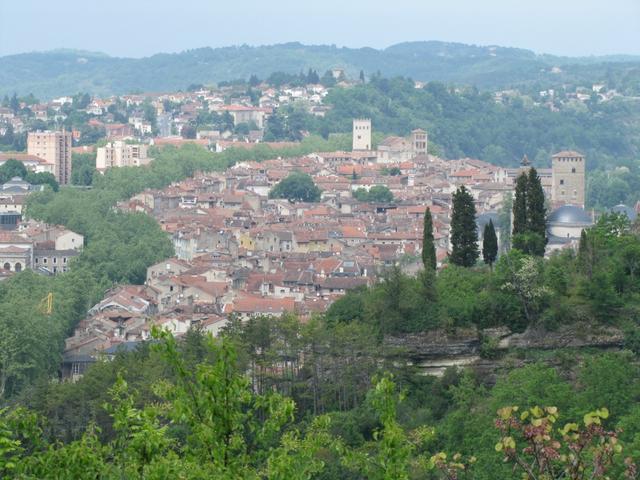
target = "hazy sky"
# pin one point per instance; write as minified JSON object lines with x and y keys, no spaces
{"x":143,"y":27}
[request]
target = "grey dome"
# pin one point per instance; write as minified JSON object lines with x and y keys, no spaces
{"x":628,"y":211}
{"x":569,"y":215}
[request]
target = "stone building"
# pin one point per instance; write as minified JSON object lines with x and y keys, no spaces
{"x":568,"y":178}
{"x":361,"y":134}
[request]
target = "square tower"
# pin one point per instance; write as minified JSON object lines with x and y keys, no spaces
{"x":361,"y":134}
{"x":419,"y":142}
{"x":568,"y":174}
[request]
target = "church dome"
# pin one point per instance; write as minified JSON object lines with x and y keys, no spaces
{"x":569,"y":215}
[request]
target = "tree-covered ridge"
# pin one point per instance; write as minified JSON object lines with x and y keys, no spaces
{"x":469,"y":123}
{"x":49,"y":74}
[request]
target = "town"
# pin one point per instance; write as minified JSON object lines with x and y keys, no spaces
{"x":241,"y":253}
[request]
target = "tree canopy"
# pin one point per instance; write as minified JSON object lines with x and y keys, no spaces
{"x":296,"y":187}
{"x":464,"y":231}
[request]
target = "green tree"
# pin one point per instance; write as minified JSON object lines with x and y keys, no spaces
{"x":428,"y":242}
{"x":43,"y":178}
{"x":376,"y":194}
{"x":12,"y":168}
{"x":520,"y":210}
{"x":536,"y":213}
{"x":297,"y":187}
{"x":464,"y":231}
{"x":489,"y":244}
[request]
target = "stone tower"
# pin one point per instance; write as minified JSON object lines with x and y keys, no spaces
{"x":568,"y":174}
{"x":419,"y":142}
{"x":361,"y":134}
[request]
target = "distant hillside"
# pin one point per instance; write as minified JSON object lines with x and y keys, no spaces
{"x":60,"y":72}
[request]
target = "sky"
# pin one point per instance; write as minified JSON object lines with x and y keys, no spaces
{"x":137,"y":28}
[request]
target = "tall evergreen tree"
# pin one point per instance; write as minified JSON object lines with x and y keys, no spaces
{"x":489,"y":244}
{"x":464,"y":231}
{"x":536,"y":214}
{"x":428,"y":243}
{"x":520,"y":205}
{"x":529,"y":214}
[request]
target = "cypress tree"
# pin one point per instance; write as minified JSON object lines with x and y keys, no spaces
{"x":464,"y":231}
{"x":536,"y":214}
{"x":489,"y":244}
{"x":428,"y":243}
{"x":520,"y":205}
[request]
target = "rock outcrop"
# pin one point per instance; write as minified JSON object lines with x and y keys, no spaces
{"x":434,"y":351}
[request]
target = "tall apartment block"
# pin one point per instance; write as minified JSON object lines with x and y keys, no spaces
{"x":120,"y":154}
{"x":55,"y":149}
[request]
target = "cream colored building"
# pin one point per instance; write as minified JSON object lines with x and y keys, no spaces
{"x":402,"y":149}
{"x":55,"y":149}
{"x":361,"y":134}
{"x":121,"y":154}
{"x":568,"y":178}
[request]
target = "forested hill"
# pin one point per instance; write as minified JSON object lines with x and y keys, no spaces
{"x":62,"y":72}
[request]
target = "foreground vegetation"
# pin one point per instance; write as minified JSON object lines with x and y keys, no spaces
{"x":187,"y":410}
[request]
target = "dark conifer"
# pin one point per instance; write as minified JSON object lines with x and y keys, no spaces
{"x":428,"y":243}
{"x":464,"y":231}
{"x":536,"y":215}
{"x":489,"y":244}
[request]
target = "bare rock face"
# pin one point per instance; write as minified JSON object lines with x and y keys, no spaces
{"x":570,"y":336}
{"x":434,"y":351}
{"x":434,"y":344}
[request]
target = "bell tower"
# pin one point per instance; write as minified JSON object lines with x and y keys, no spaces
{"x":361,"y":134}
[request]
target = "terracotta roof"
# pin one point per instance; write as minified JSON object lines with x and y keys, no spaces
{"x":254,"y":304}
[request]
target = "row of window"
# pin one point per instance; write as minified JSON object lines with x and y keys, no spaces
{"x":54,"y":260}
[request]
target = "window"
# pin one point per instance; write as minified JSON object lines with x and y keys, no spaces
{"x":573,"y":170}
{"x":55,"y":259}
{"x":75,"y":369}
{"x":44,"y":260}
{"x":561,"y":182}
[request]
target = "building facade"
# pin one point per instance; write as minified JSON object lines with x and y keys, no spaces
{"x":121,"y":154}
{"x":419,"y":142}
{"x":361,"y":134}
{"x":568,"y":178}
{"x":55,"y":149}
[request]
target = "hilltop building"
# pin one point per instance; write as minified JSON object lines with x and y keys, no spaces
{"x":361,"y":134}
{"x":55,"y":149}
